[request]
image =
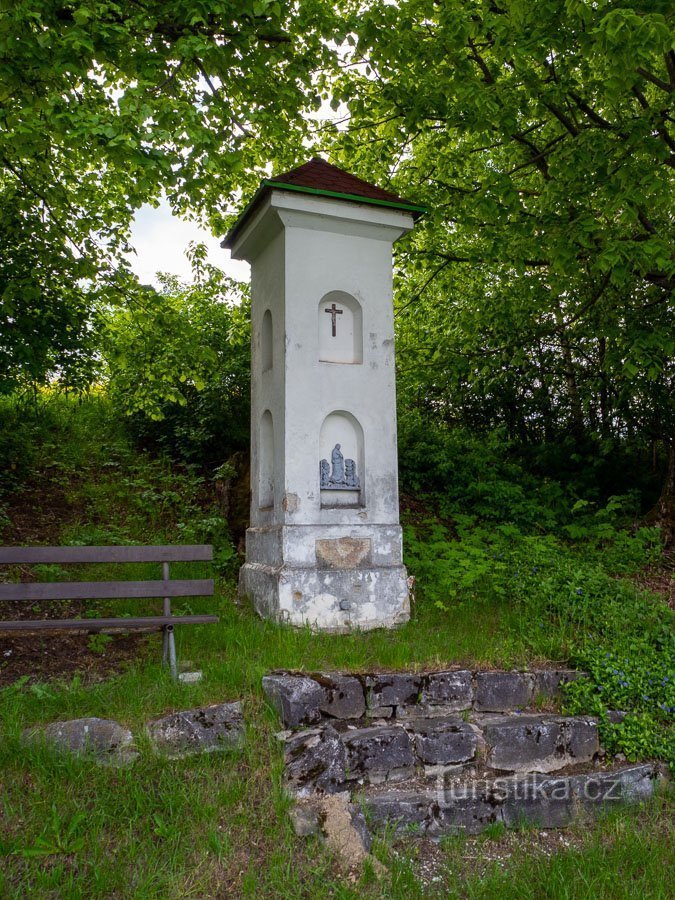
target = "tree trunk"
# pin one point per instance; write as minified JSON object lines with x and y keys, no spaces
{"x":569,"y":374}
{"x":604,"y":411}
{"x":663,"y":512}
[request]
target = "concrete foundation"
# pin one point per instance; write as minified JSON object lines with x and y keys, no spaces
{"x":330,"y":578}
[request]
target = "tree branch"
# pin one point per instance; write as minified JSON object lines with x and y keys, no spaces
{"x":647,"y":75}
{"x":562,"y":118}
{"x":482,"y":65}
{"x":599,"y":120}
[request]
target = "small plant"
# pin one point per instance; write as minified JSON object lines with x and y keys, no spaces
{"x":98,"y":642}
{"x":59,"y":836}
{"x":220,"y":843}
{"x":495,"y":831}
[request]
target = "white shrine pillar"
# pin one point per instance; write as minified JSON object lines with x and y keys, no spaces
{"x":324,"y":546}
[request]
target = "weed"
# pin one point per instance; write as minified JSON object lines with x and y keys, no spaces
{"x":58,"y":837}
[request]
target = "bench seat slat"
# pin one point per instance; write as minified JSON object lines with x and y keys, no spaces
{"x":98,"y":624}
{"x":99,"y":590}
{"x":65,"y":555}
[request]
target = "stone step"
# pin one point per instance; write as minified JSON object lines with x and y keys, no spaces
{"x":468,"y":805}
{"x":536,"y":743}
{"x":335,"y":757}
{"x":307,"y":699}
{"x":444,"y":752}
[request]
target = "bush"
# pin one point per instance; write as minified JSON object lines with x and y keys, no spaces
{"x":569,"y":604}
{"x":179,"y":368}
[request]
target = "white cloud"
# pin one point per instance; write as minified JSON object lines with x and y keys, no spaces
{"x":161,"y":239}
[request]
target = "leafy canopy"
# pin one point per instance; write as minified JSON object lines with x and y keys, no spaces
{"x":537,"y":292}
{"x":104,"y":106}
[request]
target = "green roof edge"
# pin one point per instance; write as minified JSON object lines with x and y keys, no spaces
{"x":397,"y":204}
{"x":281,"y":186}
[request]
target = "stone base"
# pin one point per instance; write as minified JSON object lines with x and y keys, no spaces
{"x":330,"y":578}
{"x":338,"y":601}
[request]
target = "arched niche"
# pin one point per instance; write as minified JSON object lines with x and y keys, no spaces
{"x":341,"y":461}
{"x":340,"y":328}
{"x":266,"y":461}
{"x":266,"y":342}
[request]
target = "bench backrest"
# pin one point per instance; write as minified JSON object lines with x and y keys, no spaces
{"x":95,"y":590}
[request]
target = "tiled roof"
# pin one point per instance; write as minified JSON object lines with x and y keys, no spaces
{"x":320,"y":177}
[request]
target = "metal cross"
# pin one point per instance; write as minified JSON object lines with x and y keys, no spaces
{"x":334,"y":311}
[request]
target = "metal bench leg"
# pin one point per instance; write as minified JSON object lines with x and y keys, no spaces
{"x":173,"y":665}
{"x":169,"y":643}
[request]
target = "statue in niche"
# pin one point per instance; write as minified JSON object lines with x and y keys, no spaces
{"x":341,"y":475}
{"x":337,"y":475}
{"x":350,"y":473}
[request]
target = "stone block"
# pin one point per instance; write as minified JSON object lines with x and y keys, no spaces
{"x":556,"y":802}
{"x":108,"y":742}
{"x":446,"y":692}
{"x":305,"y":817}
{"x":380,"y":712}
{"x":548,"y":683}
{"x":190,"y":677}
{"x":582,"y":742}
{"x":392,"y":690}
{"x":538,"y":743}
{"x":297,"y":698}
{"x":316,"y":761}
{"x":462,"y":815}
{"x":206,"y":729}
{"x":469,"y":805}
{"x":379,"y":754}
{"x":295,"y":591}
{"x":428,"y":812}
{"x":502,"y":691}
{"x":628,"y":785}
{"x":445,"y":742}
{"x":343,"y":696}
{"x":400,"y":808}
{"x":536,"y":800}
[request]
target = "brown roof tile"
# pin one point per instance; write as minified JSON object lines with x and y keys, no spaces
{"x":322,"y":177}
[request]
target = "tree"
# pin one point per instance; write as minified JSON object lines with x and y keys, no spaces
{"x":104,"y":106}
{"x":179,"y":365}
{"x":537,"y":293}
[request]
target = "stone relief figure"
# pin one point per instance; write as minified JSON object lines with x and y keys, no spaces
{"x":340,"y":474}
{"x":337,"y":475}
{"x":351,"y":478}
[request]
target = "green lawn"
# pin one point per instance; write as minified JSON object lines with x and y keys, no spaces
{"x":217,"y":825}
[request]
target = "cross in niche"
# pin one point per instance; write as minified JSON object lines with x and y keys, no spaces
{"x":334,"y":311}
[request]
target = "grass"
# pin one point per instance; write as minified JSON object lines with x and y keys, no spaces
{"x":218,"y":825}
{"x":624,"y":854}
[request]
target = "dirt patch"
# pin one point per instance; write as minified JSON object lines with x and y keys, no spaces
{"x":456,"y":859}
{"x":41,"y":657}
{"x":660,"y":579}
{"x":37,"y":515}
{"x":342,"y":837}
{"x":38,"y":512}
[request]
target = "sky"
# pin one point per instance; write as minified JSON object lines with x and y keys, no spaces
{"x":160,"y":240}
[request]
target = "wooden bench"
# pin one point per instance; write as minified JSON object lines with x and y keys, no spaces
{"x":113,"y":590}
